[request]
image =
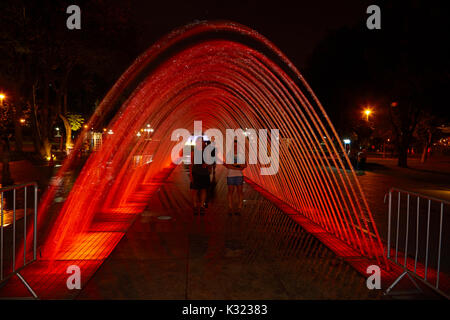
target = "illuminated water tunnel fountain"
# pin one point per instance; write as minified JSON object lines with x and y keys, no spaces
{"x":228,"y":76}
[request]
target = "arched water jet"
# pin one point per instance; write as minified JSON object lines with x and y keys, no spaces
{"x":226,"y":84}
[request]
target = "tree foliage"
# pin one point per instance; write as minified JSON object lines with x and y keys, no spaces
{"x":53,"y":70}
{"x":75,"y":120}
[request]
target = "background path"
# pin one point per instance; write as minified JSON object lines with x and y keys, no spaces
{"x":262,"y":254}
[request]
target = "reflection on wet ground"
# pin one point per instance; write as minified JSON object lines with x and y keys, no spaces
{"x":260,"y":254}
{"x":24,"y":172}
{"x":170,"y":254}
{"x":430,"y":179}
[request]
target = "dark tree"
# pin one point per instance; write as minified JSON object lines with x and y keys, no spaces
{"x":55,"y":70}
{"x":402,"y":70}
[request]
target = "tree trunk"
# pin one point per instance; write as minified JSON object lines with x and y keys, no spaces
{"x":46,"y":148}
{"x":36,"y":131}
{"x":38,"y":134}
{"x":41,"y":132}
{"x":46,"y":123}
{"x":69,"y":142}
{"x":425,"y":148}
{"x":403,"y":153}
{"x":423,"y":157}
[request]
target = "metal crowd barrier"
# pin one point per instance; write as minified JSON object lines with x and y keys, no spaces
{"x":16,"y":271}
{"x":411,"y":238}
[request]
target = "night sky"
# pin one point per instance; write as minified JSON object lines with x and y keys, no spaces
{"x":296,"y":27}
{"x":325,"y":39}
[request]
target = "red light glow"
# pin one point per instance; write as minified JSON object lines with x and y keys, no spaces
{"x":226,"y":84}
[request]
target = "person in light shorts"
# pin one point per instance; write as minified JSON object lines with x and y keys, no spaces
{"x":235,"y":180}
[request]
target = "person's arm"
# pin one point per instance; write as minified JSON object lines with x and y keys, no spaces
{"x":190,"y":167}
{"x":241,"y":166}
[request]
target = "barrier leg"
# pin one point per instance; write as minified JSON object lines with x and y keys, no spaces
{"x":27,"y":285}
{"x":405,"y":273}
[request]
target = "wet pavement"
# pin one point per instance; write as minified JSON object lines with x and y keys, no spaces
{"x":24,"y":171}
{"x":168,"y":253}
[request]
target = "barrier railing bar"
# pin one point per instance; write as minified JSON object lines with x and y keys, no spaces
{"x":417,"y":235}
{"x":1,"y":239}
{"x":35,"y":221}
{"x":389,"y":226}
{"x":25,"y":225}
{"x":17,"y":186}
{"x":428,"y":238}
{"x":440,"y":244}
{"x":14,"y":232}
{"x":421,"y":195}
{"x":407,"y":229}
{"x":27,"y":285}
{"x":398,"y":226}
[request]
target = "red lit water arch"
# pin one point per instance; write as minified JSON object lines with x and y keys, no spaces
{"x":228,"y":76}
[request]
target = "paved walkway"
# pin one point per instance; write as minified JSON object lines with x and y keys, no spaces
{"x":262,"y":254}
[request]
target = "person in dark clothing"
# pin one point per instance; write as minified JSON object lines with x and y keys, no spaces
{"x":199,"y":177}
{"x":210,"y":191}
{"x":362,"y":158}
{"x":213,"y":155}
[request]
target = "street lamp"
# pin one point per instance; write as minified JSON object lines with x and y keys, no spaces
{"x":367,"y":112}
{"x":2,"y":97}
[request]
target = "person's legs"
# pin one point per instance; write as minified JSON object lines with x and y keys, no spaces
{"x":207,"y":191}
{"x":202,"y":199}
{"x":240,"y":193}
{"x":202,"y":196}
{"x":231,"y":189}
{"x":195,"y":200}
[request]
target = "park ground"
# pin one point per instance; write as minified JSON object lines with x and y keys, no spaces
{"x":169,"y":254}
